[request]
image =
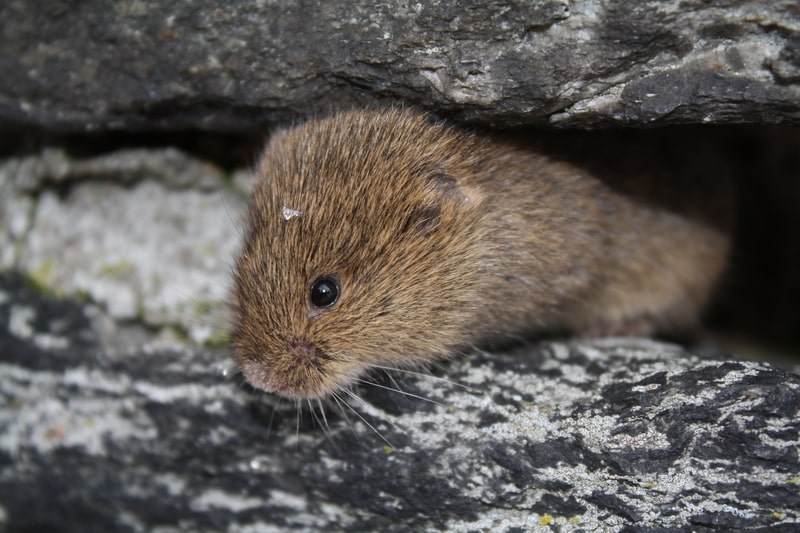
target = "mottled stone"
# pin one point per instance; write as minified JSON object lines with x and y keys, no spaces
{"x":622,"y":434}
{"x":16,"y":212}
{"x":128,"y":64}
{"x":148,"y":234}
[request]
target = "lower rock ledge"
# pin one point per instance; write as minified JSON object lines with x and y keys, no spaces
{"x":615,"y":433}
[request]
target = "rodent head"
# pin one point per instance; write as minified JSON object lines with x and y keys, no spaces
{"x":360,"y":251}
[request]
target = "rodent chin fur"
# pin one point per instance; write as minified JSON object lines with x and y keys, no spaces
{"x":378,"y":237}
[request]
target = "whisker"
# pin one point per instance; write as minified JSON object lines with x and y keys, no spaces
{"x":269,"y":424}
{"x":365,"y":382}
{"x":314,"y":415}
{"x":231,"y":372}
{"x":423,"y":375}
{"x":340,"y":402}
{"x":378,"y":433}
{"x":311,"y":409}
{"x":322,"y":412}
{"x":324,"y":427}
{"x":394,"y":381}
{"x":297,"y":427}
{"x":237,"y":226}
{"x":360,"y":400}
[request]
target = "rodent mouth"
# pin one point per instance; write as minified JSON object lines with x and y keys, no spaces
{"x":301,"y":371}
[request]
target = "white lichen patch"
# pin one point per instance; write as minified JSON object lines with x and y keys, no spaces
{"x":286,"y":499}
{"x":174,"y":485}
{"x":169,"y":394}
{"x":46,"y":341}
{"x":49,"y":422}
{"x":145,"y":253}
{"x":148,"y":234}
{"x":509,"y":519}
{"x":532,"y":412}
{"x":259,"y":526}
{"x":19,"y":321}
{"x":16,"y":210}
{"x":20,"y":324}
{"x":218,"y":499}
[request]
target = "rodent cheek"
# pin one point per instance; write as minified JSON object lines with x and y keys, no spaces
{"x":313,"y":312}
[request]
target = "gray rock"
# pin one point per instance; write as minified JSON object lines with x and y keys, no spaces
{"x":616,"y":434}
{"x":54,"y":168}
{"x":148,"y":234}
{"x":128,"y":64}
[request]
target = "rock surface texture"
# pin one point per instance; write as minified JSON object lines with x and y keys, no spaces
{"x":619,"y":434}
{"x":129,"y":64}
{"x":148,"y":234}
{"x":102,"y":428}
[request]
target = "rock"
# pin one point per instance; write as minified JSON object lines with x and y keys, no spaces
{"x":148,"y":234}
{"x":147,"y":64}
{"x":104,"y":429}
{"x":620,"y":434}
{"x":54,"y":168}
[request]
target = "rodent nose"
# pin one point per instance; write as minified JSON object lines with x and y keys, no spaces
{"x":308,"y":354}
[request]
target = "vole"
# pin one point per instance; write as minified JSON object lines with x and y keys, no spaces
{"x":383,"y":237}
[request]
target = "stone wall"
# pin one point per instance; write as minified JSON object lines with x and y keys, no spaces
{"x":120,"y":408}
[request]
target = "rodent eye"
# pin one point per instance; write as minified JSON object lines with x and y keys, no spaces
{"x":324,"y":292}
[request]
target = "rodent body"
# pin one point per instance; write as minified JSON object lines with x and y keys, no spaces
{"x":436,"y":240}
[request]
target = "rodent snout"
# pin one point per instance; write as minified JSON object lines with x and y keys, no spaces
{"x":298,"y":370}
{"x":307,"y":354}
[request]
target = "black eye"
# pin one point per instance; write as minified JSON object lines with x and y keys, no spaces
{"x":324,"y":292}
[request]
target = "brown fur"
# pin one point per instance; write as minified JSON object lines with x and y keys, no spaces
{"x":442,"y":240}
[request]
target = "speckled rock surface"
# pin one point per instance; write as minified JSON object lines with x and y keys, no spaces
{"x":144,"y":63}
{"x":150,"y":235}
{"x":617,"y":434}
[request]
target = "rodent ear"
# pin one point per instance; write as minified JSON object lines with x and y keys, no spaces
{"x":423,"y":219}
{"x":442,"y":190}
{"x":442,"y":181}
{"x":443,"y":185}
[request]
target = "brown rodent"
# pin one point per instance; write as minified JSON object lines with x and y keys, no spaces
{"x":429,"y":240}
